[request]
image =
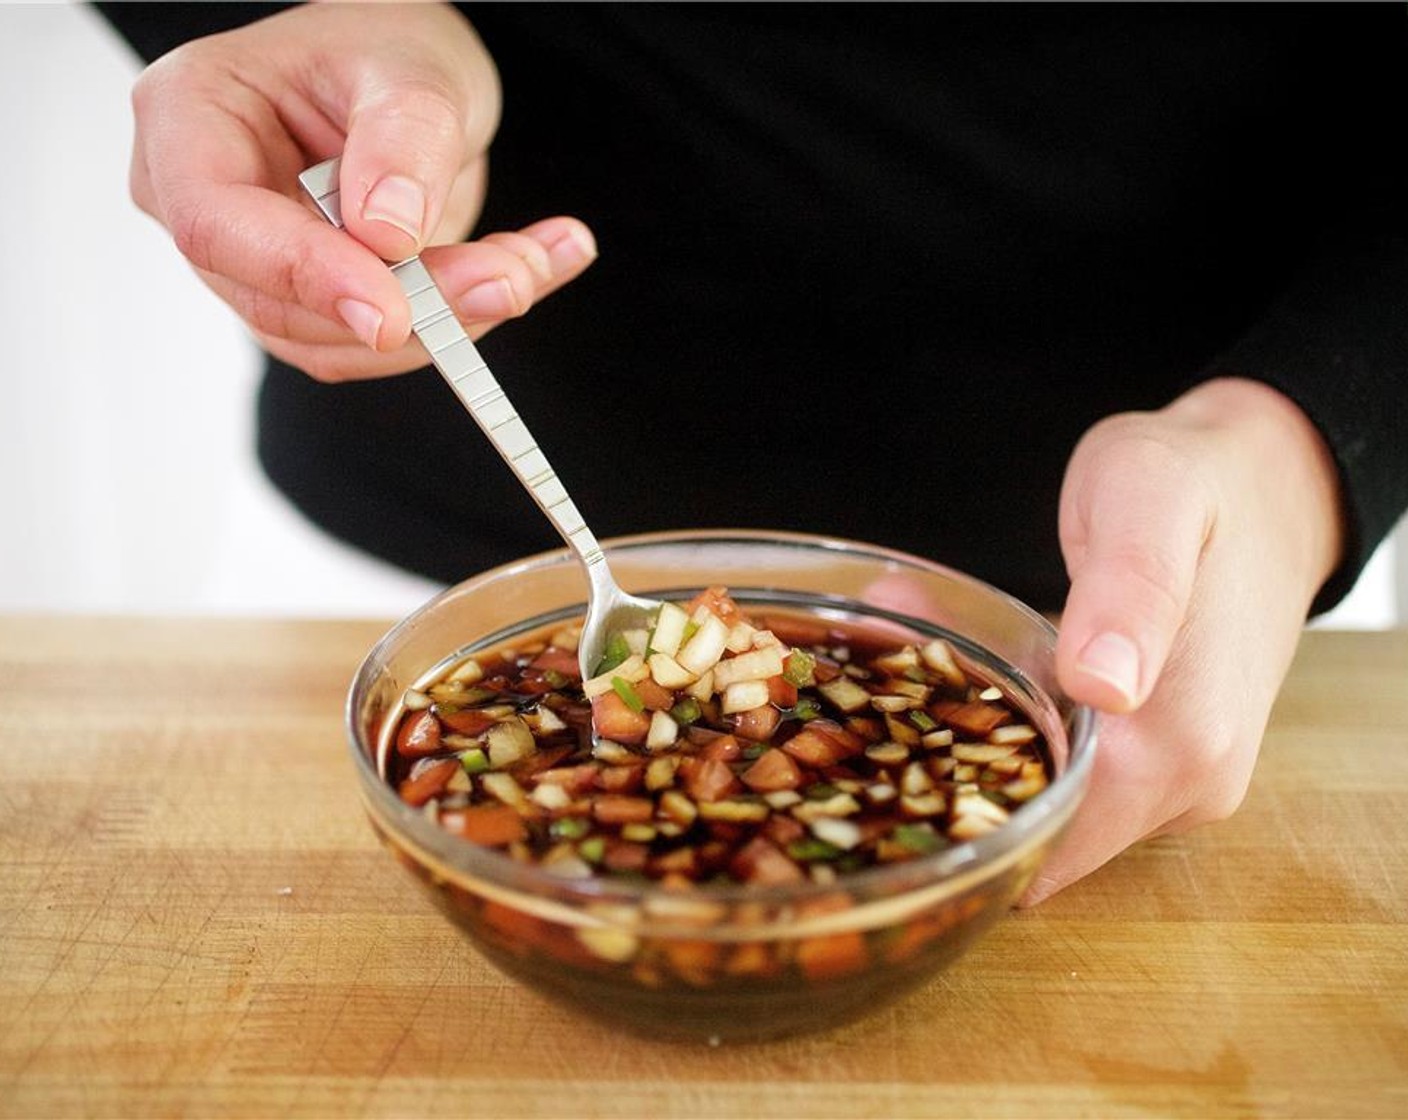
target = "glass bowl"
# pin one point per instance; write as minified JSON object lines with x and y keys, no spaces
{"x":734,"y":963}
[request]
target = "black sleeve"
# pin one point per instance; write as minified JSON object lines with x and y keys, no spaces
{"x":152,"y":29}
{"x":1335,"y":339}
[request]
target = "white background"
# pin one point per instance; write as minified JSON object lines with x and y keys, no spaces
{"x":127,"y":474}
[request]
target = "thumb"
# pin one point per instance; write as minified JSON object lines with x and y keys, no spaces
{"x":409,"y":140}
{"x":1134,"y":520}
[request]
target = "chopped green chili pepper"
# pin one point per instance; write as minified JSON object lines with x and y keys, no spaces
{"x":820,"y":791}
{"x":592,"y":848}
{"x":800,"y":668}
{"x":556,"y":679}
{"x":686,"y":711}
{"x":917,"y":838}
{"x":474,"y":760}
{"x":569,"y":828}
{"x":923,"y":720}
{"x":626,"y":691}
{"x":754,"y":750}
{"x":616,"y":651}
{"x":812,"y":849}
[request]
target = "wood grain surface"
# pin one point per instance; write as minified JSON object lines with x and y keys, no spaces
{"x":195,"y":920}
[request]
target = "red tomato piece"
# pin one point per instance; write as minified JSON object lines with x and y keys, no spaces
{"x":419,"y":735}
{"x":614,"y":719}
{"x":719,"y":603}
{"x":774,"y":770}
{"x":555,"y":660}
{"x":428,"y":782}
{"x":762,"y":862}
{"x":619,"y":808}
{"x":723,"y":748}
{"x":811,"y":748}
{"x":467,"y":721}
{"x":782,"y":692}
{"x":707,"y":779}
{"x":655,"y":697}
{"x":834,"y":954}
{"x":620,"y":779}
{"x":490,"y":825}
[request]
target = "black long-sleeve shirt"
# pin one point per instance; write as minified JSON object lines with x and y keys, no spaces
{"x":872,"y":270}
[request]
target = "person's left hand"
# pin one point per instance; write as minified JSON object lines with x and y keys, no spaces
{"x":1196,"y":538}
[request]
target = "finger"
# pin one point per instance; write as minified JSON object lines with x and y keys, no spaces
{"x":412,"y":135}
{"x":503,"y":274}
{"x":339,"y":362}
{"x":219,"y":193}
{"x":1134,"y":521}
{"x":274,"y":246}
{"x":1123,"y":805}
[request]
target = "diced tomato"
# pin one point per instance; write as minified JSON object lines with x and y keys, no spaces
{"x":614,"y":719}
{"x":490,"y":825}
{"x":977,"y":718}
{"x":534,"y":683}
{"x":467,"y":721}
{"x":822,"y":742}
{"x":655,"y":697}
{"x":773,"y":770}
{"x":542,"y":760}
{"x":834,"y":954}
{"x":782,"y":692}
{"x":782,"y":830}
{"x":752,"y":959}
{"x":847,"y":742}
{"x":620,"y":779}
{"x":723,"y":748}
{"x":574,"y":779}
{"x":680,"y":861}
{"x":719,"y":603}
{"x":940,"y":709}
{"x":419,"y":735}
{"x":428,"y":781}
{"x":701,"y":736}
{"x":555,"y":660}
{"x":619,"y":808}
{"x":517,"y":929}
{"x":866,"y":727}
{"x":757,"y":724}
{"x":693,"y":961}
{"x":812,"y":749}
{"x":707,"y":779}
{"x":826,"y":670}
{"x":762,"y":862}
{"x":625,"y":855}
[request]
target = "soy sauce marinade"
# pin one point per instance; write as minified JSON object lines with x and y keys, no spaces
{"x":764,"y":749}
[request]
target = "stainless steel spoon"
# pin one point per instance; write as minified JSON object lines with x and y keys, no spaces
{"x":609,"y":609}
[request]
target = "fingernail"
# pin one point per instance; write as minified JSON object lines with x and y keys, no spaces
{"x":1114,"y":659}
{"x":575,"y":248}
{"x":363,"y":318}
{"x":397,"y":201}
{"x":489,"y":299}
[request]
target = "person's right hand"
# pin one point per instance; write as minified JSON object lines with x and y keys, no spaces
{"x":410,"y":98}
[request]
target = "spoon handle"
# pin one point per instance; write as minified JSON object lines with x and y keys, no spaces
{"x":461,"y":365}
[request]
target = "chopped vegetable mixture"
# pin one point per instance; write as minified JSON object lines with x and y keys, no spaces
{"x":715,"y":746}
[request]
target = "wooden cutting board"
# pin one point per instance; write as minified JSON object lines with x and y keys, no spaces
{"x":195,"y":920}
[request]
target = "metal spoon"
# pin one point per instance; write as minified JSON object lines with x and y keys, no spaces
{"x":609,"y":609}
